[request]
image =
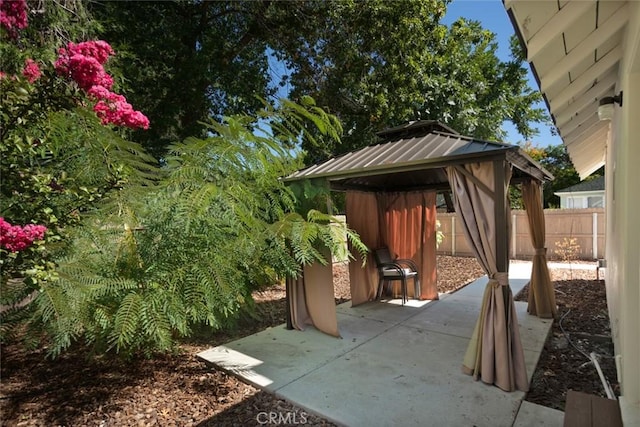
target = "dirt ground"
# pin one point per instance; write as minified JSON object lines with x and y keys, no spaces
{"x":582,"y":327}
{"x":177,"y":390}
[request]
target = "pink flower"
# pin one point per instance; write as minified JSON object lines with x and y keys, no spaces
{"x":15,"y":238}
{"x":83,"y":62}
{"x":99,"y":92}
{"x":86,"y":71}
{"x":34,"y":231}
{"x":13,"y":16}
{"x":31,"y":70}
{"x":112,"y":108}
{"x":98,"y":49}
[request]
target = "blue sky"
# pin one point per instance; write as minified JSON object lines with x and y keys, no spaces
{"x":493,"y":16}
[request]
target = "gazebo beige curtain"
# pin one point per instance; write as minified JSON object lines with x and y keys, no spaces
{"x":402,"y":221}
{"x":542,"y":299}
{"x":495,"y":353}
{"x":311,"y":298}
{"x":362,"y":216}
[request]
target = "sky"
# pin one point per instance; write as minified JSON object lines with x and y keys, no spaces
{"x":493,"y":16}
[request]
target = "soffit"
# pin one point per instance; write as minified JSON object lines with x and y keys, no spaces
{"x":574,"y":48}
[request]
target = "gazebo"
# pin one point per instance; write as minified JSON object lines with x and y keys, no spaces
{"x":391,"y":201}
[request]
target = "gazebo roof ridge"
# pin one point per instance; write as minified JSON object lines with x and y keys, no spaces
{"x":416,"y":128}
{"x":476,"y":139}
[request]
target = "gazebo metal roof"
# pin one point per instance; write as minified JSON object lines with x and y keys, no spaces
{"x":413,"y":158}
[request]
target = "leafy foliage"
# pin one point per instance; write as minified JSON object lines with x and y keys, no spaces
{"x":128,"y":265}
{"x":374,"y":64}
{"x":220,"y":225}
{"x":58,"y":162}
{"x":556,"y":160}
{"x":567,"y":249}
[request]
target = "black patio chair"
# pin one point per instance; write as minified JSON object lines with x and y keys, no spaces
{"x":390,"y":269}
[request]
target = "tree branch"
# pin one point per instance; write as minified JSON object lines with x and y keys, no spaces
{"x":20,"y":304}
{"x":250,"y":35}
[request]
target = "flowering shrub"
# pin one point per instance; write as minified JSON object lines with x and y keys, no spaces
{"x":59,"y":163}
{"x":99,"y":50}
{"x":83,"y":63}
{"x":13,"y":16}
{"x":15,"y":238}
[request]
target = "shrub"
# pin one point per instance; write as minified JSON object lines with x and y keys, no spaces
{"x":221,"y":225}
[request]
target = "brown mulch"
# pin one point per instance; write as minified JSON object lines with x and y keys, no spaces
{"x":564,"y":363}
{"x":177,"y":390}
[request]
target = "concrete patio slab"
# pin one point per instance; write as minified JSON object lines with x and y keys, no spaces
{"x":516,"y":285}
{"x":533,"y":330}
{"x":386,"y":312}
{"x":532,"y":415}
{"x":520,"y":270}
{"x":474,"y":289}
{"x":519,"y":276}
{"x":404,"y":377}
{"x":395,"y":365}
{"x":455,"y":315}
{"x":277,"y":356}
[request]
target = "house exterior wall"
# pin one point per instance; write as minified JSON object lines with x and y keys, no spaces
{"x":582,"y":200}
{"x":623,"y":224}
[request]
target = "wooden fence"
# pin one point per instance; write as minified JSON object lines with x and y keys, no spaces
{"x":581,"y":230}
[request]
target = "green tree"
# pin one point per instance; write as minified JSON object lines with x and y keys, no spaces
{"x":418,"y":70}
{"x":556,"y":160}
{"x":50,"y":24}
{"x":187,"y":61}
{"x":374,"y":64}
{"x":130,"y":263}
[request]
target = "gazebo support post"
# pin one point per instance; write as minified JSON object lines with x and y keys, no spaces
{"x":501,"y":216}
{"x":501,"y":222}
{"x":287,"y":303}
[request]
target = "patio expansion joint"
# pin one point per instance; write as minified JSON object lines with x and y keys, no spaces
{"x":517,"y":411}
{"x":434,"y":331}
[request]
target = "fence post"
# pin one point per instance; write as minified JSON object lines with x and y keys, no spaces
{"x":595,"y":235}
{"x":514,"y":236}
{"x":453,"y":234}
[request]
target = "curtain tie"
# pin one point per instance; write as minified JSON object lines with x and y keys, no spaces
{"x":541,"y":251}
{"x":501,"y":277}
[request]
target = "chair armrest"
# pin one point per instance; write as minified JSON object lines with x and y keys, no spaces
{"x":392,"y":265}
{"x":408,"y":262}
